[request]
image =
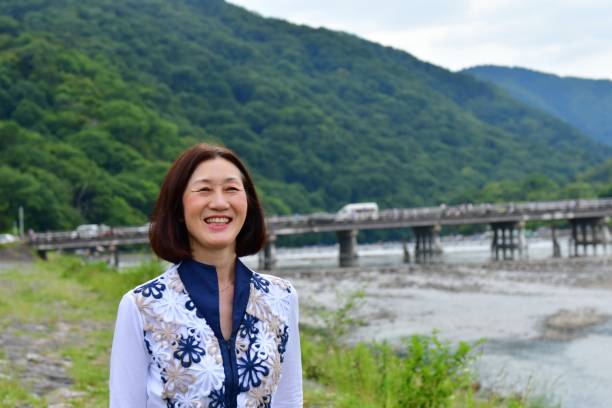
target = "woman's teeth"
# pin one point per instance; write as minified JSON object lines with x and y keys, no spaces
{"x":217,"y":220}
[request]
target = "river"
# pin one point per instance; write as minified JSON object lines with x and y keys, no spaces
{"x":544,"y":321}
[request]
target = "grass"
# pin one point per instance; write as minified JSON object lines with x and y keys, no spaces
{"x":375,"y":375}
{"x":79,"y":301}
{"x":12,"y":394}
{"x":80,"y":296}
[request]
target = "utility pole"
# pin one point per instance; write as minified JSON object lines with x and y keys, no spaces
{"x":21,"y":221}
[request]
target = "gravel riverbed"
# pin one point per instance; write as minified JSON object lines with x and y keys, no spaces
{"x":546,"y":323}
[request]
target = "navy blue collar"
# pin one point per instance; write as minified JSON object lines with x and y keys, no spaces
{"x":200,"y":281}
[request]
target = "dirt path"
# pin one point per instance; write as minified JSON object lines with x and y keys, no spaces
{"x":41,"y":331}
{"x":32,"y":353}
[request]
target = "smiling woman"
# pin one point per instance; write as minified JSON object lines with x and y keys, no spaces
{"x":208,"y":332}
{"x":215,"y":206}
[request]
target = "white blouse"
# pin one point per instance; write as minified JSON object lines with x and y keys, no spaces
{"x":152,"y":321}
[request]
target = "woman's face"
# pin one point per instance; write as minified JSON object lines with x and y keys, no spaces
{"x":215,"y":206}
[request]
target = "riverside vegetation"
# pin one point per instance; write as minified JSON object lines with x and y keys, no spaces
{"x":57,"y":330}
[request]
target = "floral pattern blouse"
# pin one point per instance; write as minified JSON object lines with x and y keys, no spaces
{"x":168,"y":350}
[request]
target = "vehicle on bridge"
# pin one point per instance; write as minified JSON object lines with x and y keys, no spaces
{"x":357,"y":211}
{"x":90,"y":231}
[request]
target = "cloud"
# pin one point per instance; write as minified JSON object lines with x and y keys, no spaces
{"x":566,"y":37}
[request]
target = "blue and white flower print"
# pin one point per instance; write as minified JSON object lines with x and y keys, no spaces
{"x":189,"y":350}
{"x":251,"y":370}
{"x":248,"y":327}
{"x":154,"y":288}
{"x":260,"y":283}
{"x":190,"y":305}
{"x":217,"y":398}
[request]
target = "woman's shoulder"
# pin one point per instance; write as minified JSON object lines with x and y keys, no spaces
{"x":155,"y":287}
{"x":267,"y":282}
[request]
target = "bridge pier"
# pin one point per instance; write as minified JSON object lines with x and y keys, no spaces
{"x":508,"y":238}
{"x":555,"y":242}
{"x":267,"y":258}
{"x":406,"y":251}
{"x":114,"y":256}
{"x":427,"y":243}
{"x":588,"y":231}
{"x":348,"y":248}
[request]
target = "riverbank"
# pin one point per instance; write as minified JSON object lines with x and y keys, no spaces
{"x":546,"y":323}
{"x":57,"y":320}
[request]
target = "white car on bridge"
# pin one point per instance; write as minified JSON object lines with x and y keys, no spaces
{"x":357,"y":211}
{"x":90,"y":231}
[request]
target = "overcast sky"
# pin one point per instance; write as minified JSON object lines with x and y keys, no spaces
{"x":565,"y":37}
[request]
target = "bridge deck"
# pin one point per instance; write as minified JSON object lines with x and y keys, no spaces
{"x":464,"y":214}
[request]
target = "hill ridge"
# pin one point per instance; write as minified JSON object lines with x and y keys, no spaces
{"x":583,"y":103}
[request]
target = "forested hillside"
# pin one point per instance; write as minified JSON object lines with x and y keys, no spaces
{"x":97,"y":97}
{"x":584,"y":103}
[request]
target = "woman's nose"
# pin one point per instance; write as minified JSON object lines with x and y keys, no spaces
{"x":219,"y":201}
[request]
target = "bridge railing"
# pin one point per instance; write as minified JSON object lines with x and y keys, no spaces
{"x":442,"y":212}
{"x":65,"y":236}
{"x":447,"y":212}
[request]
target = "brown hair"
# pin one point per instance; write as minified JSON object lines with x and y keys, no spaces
{"x":168,"y":234}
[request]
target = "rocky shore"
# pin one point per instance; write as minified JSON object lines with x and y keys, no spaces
{"x":465,"y":298}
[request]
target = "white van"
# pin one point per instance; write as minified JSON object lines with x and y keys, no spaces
{"x":357,"y":211}
{"x":90,"y":231}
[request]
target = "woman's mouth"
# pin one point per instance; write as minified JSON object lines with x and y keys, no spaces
{"x":217,"y":220}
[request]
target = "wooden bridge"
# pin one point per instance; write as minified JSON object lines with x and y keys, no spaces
{"x":588,"y":221}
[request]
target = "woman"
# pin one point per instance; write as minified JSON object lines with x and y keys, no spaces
{"x":208,"y":332}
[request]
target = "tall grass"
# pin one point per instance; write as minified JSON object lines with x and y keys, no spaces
{"x":107,"y":282}
{"x":430,"y":374}
{"x":424,"y":372}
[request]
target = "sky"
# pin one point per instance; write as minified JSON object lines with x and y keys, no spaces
{"x":564,"y":37}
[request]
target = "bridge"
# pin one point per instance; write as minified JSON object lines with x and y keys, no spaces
{"x":588,"y":221}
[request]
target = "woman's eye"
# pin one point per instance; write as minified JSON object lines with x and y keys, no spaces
{"x":203,"y":190}
{"x":233,"y":189}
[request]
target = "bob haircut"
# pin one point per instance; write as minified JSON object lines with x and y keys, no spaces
{"x":168,"y":233}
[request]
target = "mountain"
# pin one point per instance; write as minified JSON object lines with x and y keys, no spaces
{"x":97,"y":98}
{"x":584,"y":103}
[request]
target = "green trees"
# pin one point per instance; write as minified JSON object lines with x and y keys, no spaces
{"x":97,"y":99}
{"x":43,"y":198}
{"x":585,"y":103}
